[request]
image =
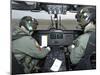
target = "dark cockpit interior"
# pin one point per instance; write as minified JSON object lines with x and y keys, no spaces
{"x":57,"y":36}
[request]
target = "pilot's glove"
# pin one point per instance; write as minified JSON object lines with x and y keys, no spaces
{"x":48,"y":48}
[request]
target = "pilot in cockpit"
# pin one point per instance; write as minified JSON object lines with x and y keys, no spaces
{"x":86,"y":18}
{"x":26,"y":49}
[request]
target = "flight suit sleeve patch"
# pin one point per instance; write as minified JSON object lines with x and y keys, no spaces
{"x":76,"y":43}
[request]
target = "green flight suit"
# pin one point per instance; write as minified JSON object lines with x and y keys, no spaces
{"x":25,"y":49}
{"x":80,"y":44}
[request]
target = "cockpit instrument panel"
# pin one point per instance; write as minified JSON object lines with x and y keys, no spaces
{"x":57,"y":37}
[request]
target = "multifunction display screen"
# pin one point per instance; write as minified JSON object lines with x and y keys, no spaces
{"x":56,"y":35}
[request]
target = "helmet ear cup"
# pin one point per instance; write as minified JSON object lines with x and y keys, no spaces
{"x":89,"y":18}
{"x":86,"y":19}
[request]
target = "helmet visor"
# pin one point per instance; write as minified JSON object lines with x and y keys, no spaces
{"x":29,"y":25}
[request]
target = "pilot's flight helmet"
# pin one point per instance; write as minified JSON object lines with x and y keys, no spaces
{"x":86,"y":15}
{"x":29,"y":23}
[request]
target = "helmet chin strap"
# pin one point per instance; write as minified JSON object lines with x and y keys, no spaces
{"x":83,"y":26}
{"x":31,"y":32}
{"x":25,"y":30}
